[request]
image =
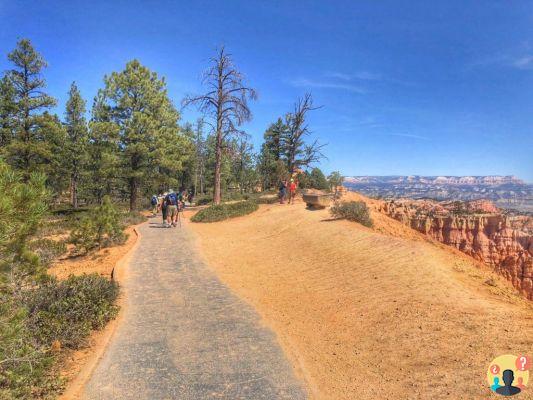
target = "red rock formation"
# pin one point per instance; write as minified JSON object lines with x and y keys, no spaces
{"x":504,"y":242}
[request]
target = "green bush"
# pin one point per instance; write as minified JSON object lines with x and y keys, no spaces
{"x":221,"y":212}
{"x":48,"y":250}
{"x":101,"y":227}
{"x":68,"y":310}
{"x":353,"y":211}
{"x":202,"y":201}
{"x":64,"y":311}
{"x":25,"y":365}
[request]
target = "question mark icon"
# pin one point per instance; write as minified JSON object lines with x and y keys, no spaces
{"x":523,"y":363}
{"x":495,"y":369}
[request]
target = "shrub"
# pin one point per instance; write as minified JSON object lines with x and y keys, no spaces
{"x":29,"y":326}
{"x":224,"y":211}
{"x":24,"y":363}
{"x":202,"y":201}
{"x":68,"y":310}
{"x":102,"y":227}
{"x":354,"y":211}
{"x":48,"y":250}
{"x":133,"y":218}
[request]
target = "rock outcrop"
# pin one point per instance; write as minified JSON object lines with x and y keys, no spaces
{"x":479,"y":230}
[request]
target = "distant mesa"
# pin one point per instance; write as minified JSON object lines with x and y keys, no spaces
{"x":507,"y":192}
{"x":437,"y":180}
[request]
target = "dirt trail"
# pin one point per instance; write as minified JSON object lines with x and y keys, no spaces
{"x":365,"y":315}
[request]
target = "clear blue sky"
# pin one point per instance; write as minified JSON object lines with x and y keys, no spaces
{"x":407,"y":87}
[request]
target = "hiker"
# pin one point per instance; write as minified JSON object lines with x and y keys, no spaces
{"x":171,"y":200}
{"x":282,"y":191}
{"x":155,"y":205}
{"x":292,"y":191}
{"x":163,"y":207}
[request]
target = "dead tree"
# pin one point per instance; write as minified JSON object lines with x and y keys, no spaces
{"x":225,"y":105}
{"x":298,"y":152}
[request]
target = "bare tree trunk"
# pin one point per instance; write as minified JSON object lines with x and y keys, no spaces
{"x":226,"y":104}
{"x":74,"y":191}
{"x":195,"y":179}
{"x":218,"y":165}
{"x":133,"y":193}
{"x":202,"y":189}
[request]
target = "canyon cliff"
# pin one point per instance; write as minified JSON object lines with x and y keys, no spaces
{"x":478,"y":229}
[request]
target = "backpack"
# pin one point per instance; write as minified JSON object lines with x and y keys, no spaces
{"x":172,"y":199}
{"x":154,"y":200}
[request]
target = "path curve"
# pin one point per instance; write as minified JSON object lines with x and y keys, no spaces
{"x":184,"y":335}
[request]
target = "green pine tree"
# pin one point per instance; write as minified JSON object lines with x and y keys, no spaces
{"x":7,"y":111}
{"x":136,"y":101}
{"x":29,"y":150}
{"x":77,"y":140}
{"x":103,"y":160}
{"x":318,"y":180}
{"x":22,"y":205}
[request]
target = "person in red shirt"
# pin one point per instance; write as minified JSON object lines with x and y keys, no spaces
{"x":292,"y":191}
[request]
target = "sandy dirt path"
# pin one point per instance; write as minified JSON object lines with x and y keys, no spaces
{"x":184,"y":335}
{"x":364,"y":315}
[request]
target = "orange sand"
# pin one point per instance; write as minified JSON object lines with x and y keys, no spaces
{"x":369,"y":313}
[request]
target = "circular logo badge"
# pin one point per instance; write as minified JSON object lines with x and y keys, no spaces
{"x":508,"y":375}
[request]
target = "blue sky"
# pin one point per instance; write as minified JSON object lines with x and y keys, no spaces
{"x":407,"y":87}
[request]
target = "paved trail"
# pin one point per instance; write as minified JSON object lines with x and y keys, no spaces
{"x":184,"y":335}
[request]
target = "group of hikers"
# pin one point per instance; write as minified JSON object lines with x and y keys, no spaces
{"x":171,"y":204}
{"x":291,"y":187}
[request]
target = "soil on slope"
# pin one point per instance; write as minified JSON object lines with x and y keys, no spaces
{"x":364,"y":313}
{"x":77,"y":365}
{"x":101,"y":262}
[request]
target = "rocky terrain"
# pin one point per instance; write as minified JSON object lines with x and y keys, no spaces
{"x":476,"y":228}
{"x":505,"y":191}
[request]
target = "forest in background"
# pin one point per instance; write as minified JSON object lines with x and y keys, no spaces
{"x":70,"y":183}
{"x":131,"y":142}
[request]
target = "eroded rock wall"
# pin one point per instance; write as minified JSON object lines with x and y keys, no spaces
{"x":502,"y":241}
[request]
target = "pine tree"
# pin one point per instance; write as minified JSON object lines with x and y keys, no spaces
{"x":7,"y":111}
{"x":272,"y":158}
{"x":103,"y":160}
{"x":318,"y":179}
{"x":275,"y":137}
{"x":136,"y":101}
{"x":335,"y":180}
{"x":28,"y":150}
{"x":23,"y":205}
{"x":243,"y":163}
{"x":77,"y":135}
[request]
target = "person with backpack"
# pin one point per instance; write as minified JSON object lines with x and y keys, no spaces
{"x":155,"y":205}
{"x":282,"y":191}
{"x":172,"y":201}
{"x":163,"y":207}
